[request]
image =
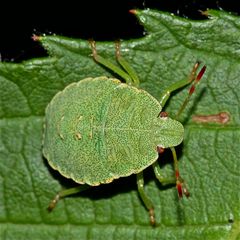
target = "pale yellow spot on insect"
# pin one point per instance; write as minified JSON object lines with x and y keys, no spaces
{"x":91,"y":135}
{"x":59,"y":128}
{"x":78,"y":136}
{"x":76,"y":132}
{"x":109,"y":180}
{"x":79,"y":118}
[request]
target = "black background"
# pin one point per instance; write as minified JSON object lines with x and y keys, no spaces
{"x":98,"y":19}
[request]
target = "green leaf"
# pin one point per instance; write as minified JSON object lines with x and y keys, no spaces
{"x":209,"y":156}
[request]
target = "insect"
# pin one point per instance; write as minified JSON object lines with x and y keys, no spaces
{"x":100,"y":129}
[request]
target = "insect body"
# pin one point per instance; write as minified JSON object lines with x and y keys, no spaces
{"x":116,"y":136}
{"x":100,"y":129}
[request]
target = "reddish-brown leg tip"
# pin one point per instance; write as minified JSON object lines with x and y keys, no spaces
{"x":152,"y":217}
{"x":179,"y":189}
{"x":186,"y":192}
{"x":133,"y":11}
{"x":36,"y":38}
{"x":200,"y":74}
{"x":53,"y":203}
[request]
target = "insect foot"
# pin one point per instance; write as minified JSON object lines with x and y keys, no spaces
{"x":152,"y":217}
{"x":53,"y":203}
{"x":181,"y":186}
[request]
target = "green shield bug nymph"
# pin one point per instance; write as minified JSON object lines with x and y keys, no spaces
{"x":99,"y":129}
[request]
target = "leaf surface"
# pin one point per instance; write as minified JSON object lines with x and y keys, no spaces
{"x":209,"y":156}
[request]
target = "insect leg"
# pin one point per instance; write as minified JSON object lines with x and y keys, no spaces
{"x":126,"y":66}
{"x":147,"y":202}
{"x":65,"y":193}
{"x":109,"y":65}
{"x":191,"y":91}
{"x":192,"y":78}
{"x":158,"y":173}
{"x":180,"y":185}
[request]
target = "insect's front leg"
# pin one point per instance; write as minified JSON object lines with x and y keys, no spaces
{"x":177,"y":85}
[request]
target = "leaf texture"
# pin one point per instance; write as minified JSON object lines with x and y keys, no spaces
{"x":209,"y":156}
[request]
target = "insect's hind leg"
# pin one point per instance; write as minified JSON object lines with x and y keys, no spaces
{"x":146,"y":200}
{"x":65,"y":193}
{"x":162,"y":179}
{"x":109,"y":65}
{"x":126,"y":66}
